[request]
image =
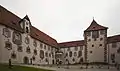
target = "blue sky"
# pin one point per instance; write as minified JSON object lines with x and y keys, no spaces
{"x":65,"y":20}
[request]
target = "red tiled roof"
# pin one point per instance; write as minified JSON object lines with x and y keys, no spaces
{"x":113,"y":39}
{"x":37,"y":34}
{"x":95,"y":26}
{"x":71,"y":44}
{"x":11,"y":20}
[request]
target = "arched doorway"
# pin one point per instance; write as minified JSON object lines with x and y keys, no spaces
{"x":26,"y":60}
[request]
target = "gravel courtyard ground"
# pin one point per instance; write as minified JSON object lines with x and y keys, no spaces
{"x":74,"y":68}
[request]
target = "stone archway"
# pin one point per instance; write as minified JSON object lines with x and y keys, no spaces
{"x":26,"y":60}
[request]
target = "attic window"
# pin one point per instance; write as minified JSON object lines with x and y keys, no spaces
{"x":27,"y":29}
{"x":93,"y":27}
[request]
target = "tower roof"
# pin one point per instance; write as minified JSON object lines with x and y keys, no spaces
{"x":94,"y":26}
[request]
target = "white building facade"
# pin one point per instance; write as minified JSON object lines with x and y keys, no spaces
{"x":23,"y":43}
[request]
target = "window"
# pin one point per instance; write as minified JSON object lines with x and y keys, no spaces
{"x":89,"y":39}
{"x":118,"y":50}
{"x":66,"y":54}
{"x":101,"y":39}
{"x":19,"y":49}
{"x":49,"y":54}
{"x":46,"y":60}
{"x":44,"y":46}
{"x":49,"y":48}
{"x":52,"y":55}
{"x":6,"y":32}
{"x":95,"y":39}
{"x":68,"y":49}
{"x":28,"y":50}
{"x":75,"y":54}
{"x":114,"y":45}
{"x":33,"y":58}
{"x":79,"y":53}
{"x":46,"y":54}
{"x":26,"y":29}
{"x":73,"y":59}
{"x":113,"y":56}
{"x":102,"y":32}
{"x":70,"y":54}
{"x":41,"y":54}
{"x":76,"y":48}
{"x":35,"y":43}
{"x":100,"y":45}
{"x":35,"y":51}
{"x":41,"y":45}
{"x":27,"y":40}
{"x":81,"y":48}
{"x":13,"y":55}
{"x":90,"y":51}
{"x":17,"y":38}
{"x":95,"y":34}
{"x":92,"y":45}
{"x":88,"y":33}
{"x":8,"y":45}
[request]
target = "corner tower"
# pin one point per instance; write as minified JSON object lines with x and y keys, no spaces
{"x":95,"y":37}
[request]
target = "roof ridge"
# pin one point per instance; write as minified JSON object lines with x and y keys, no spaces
{"x":71,"y":41}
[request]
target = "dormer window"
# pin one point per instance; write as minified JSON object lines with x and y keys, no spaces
{"x":27,"y":30}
